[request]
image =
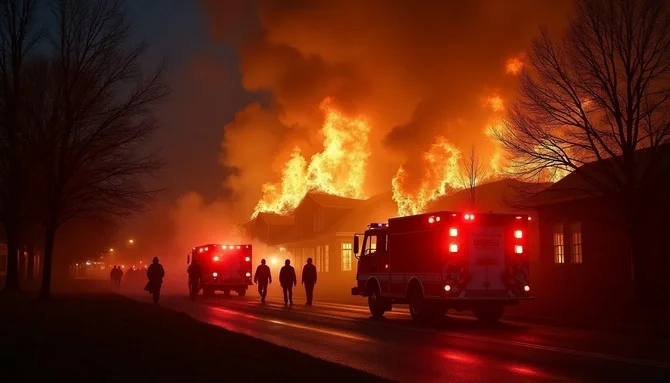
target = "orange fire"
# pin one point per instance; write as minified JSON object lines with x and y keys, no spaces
{"x":514,"y":66}
{"x":441,"y":175}
{"x":339,"y":169}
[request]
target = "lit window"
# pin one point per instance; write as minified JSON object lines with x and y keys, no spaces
{"x":559,"y":244}
{"x":576,"y":242}
{"x":347,"y":253}
{"x":326,"y":260}
{"x":318,"y":260}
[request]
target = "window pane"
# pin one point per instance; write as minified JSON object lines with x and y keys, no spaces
{"x":576,"y":242}
{"x":326,"y":260}
{"x":559,"y":244}
{"x":347,"y":253}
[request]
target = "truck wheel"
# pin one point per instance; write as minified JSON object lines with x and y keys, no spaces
{"x":241,"y":292}
{"x":489,"y":314}
{"x":417,"y":307}
{"x":376,"y":304}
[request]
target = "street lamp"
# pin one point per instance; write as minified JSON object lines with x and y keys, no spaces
{"x":111,"y":250}
{"x":131,"y":241}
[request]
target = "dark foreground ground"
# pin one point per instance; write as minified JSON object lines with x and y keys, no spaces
{"x":105,"y":337}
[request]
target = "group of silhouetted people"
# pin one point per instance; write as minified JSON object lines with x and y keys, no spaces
{"x":287,"y":280}
{"x":115,"y":275}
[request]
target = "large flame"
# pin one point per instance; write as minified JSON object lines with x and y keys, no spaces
{"x":441,"y":174}
{"x":339,"y":169}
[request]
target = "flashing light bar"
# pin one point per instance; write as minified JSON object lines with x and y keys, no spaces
{"x":377,"y":225}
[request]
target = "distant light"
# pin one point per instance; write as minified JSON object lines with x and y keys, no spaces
{"x":453,"y":248}
{"x":247,"y":259}
{"x":274,"y":261}
{"x":216,"y":259}
{"x":386,"y":266}
{"x":248,"y":274}
{"x":431,"y":220}
{"x":282,"y":249}
{"x":111,"y":250}
{"x":131,"y":241}
{"x":453,"y":232}
{"x":518,"y":217}
{"x":88,"y":263}
{"x":140,"y":262}
{"x":215,"y":274}
{"x":76,"y":264}
{"x":518,"y":234}
{"x":123,"y":266}
{"x":437,"y":219}
{"x":526,"y":288}
{"x":201,"y":249}
{"x":223,"y":246}
{"x":206,"y":248}
{"x":447,"y":288}
{"x":247,"y":246}
{"x":238,"y":246}
{"x":529,"y":218}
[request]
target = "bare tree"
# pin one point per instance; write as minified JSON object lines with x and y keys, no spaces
{"x":598,"y":94}
{"x":473,"y":172}
{"x":18,"y":37}
{"x":93,"y":117}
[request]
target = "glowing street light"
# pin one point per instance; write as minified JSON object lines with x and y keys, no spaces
{"x":131,"y":241}
{"x":111,"y":250}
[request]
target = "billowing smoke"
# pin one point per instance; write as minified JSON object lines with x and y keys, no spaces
{"x":415,"y":70}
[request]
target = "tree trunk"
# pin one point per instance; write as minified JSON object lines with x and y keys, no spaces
{"x":12,"y":233}
{"x":30,"y":275}
{"x":47,"y":265}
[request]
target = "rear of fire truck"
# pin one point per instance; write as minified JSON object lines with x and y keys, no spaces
{"x":445,"y":260}
{"x":224,"y":268}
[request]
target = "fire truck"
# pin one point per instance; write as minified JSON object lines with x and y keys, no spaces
{"x":444,"y":260}
{"x":224,"y":268}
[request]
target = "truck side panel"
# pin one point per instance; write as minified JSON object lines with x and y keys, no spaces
{"x":417,"y":254}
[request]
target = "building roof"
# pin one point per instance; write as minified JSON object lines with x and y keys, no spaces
{"x":378,"y":208}
{"x":328,"y":200}
{"x":273,"y":219}
{"x":590,"y":179}
{"x":502,"y":196}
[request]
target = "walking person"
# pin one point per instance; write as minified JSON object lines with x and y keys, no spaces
{"x":262,"y":278}
{"x":194,"y":277}
{"x":112,"y":276}
{"x":309,"y":280}
{"x":119,"y":275}
{"x":287,"y":279}
{"x":155,"y":274}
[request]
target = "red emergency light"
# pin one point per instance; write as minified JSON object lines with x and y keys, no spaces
{"x":518,"y":234}
{"x":469,"y":217}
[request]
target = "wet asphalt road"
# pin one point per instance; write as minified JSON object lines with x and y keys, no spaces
{"x":457,"y":349}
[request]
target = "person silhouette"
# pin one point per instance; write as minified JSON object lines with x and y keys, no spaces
{"x":287,"y":279}
{"x":263,"y":277}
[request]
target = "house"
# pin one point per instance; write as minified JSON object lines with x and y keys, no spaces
{"x":269,"y":228}
{"x":585,"y":260}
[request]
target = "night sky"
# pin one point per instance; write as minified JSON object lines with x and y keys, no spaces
{"x":206,"y":93}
